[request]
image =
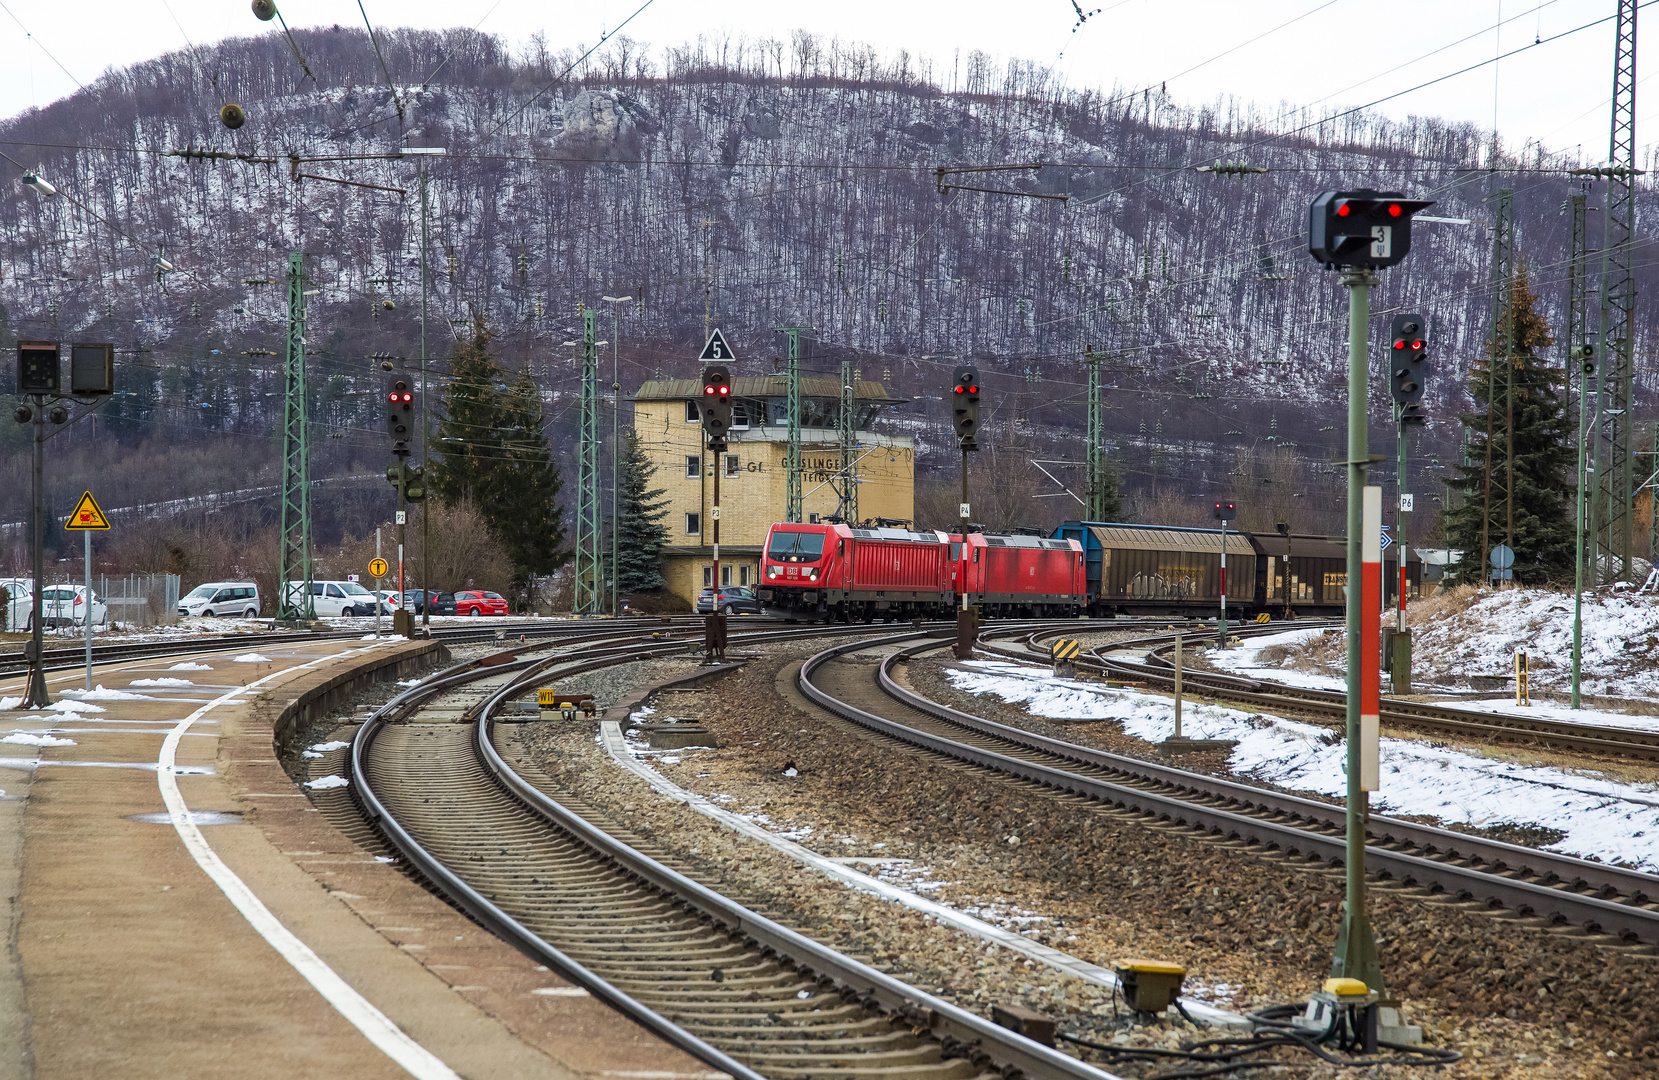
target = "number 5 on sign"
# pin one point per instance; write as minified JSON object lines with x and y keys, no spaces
{"x":378,"y":568}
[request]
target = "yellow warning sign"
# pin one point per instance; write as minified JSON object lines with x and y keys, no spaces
{"x":87,"y":517}
{"x":1264,"y":617}
{"x":378,"y":567}
{"x":547,"y":697}
{"x":1065,"y":649}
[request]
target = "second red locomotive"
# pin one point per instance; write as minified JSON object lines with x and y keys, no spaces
{"x":849,"y":573}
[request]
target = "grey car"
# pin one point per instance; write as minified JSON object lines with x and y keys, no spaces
{"x":734,"y":600}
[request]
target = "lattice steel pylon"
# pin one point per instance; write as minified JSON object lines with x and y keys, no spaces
{"x":1095,"y":458}
{"x":792,"y":445}
{"x":589,"y":576}
{"x":847,"y":439}
{"x":1498,"y":491}
{"x":295,"y":558}
{"x":1613,"y":519}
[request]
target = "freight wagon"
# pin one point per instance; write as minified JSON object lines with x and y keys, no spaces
{"x":1154,"y":570}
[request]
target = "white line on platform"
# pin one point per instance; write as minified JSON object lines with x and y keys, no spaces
{"x":375,"y":1025}
{"x":617,"y":747}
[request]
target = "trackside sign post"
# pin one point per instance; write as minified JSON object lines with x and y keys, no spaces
{"x":87,"y":518}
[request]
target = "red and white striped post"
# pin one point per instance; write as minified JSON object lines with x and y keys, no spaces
{"x":1370,"y":691}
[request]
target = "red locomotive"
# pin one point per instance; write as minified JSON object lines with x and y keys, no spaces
{"x":845,"y":572}
{"x":1024,"y":576}
{"x":849,"y":573}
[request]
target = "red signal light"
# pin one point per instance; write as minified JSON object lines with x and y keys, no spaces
{"x":407,"y":398}
{"x":391,"y":397}
{"x":961,"y":389}
{"x":708,"y":389}
{"x":1394,"y":209}
{"x":1399,"y":344}
{"x":973,"y":389}
{"x":1417,"y":345}
{"x":724,"y":390}
{"x":1342,"y":210}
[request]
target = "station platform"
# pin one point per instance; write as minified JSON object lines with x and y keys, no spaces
{"x":176,"y":907}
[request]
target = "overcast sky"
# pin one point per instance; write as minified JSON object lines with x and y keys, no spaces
{"x":1332,"y":53}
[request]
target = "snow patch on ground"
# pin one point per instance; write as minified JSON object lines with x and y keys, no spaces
{"x":1620,"y":643}
{"x":1245,"y":660}
{"x":73,"y":706}
{"x":323,"y":783}
{"x":163,"y":681}
{"x":190,"y":665}
{"x":100,"y":694}
{"x":9,"y":703}
{"x":251,"y":658}
{"x":30,"y":738}
{"x":1610,"y":820}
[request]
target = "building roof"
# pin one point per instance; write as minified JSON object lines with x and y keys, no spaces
{"x":765,"y":386}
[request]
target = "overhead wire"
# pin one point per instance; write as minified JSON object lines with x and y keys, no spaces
{"x":40,"y":45}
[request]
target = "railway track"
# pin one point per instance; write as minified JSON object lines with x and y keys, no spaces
{"x":1268,"y":695}
{"x":1542,"y":888}
{"x":69,"y":658}
{"x":738,"y":991}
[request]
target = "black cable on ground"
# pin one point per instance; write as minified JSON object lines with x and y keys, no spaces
{"x":1273,"y":1031}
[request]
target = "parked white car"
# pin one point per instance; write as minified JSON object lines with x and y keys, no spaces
{"x":19,"y":606}
{"x":67,"y":605}
{"x":224,"y":598}
{"x":332,"y":599}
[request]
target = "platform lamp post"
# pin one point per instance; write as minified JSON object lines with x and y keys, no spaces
{"x":616,"y":435}
{"x":1358,"y":233}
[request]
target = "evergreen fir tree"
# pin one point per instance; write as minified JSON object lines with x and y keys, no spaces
{"x":492,"y":450}
{"x":641,"y":533}
{"x":1541,"y":448}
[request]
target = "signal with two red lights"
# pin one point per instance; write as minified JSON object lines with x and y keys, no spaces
{"x":965,"y":406}
{"x":716,"y":410}
{"x":1363,"y":228}
{"x":400,"y":412}
{"x":1407,"y":360}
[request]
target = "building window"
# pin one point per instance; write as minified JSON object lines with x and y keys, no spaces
{"x":740,"y":415}
{"x":726,"y":575}
{"x":691,"y":415}
{"x":693,"y":524}
{"x":733,"y":465}
{"x":743,"y":575}
{"x":708,"y":577}
{"x":693,"y":465}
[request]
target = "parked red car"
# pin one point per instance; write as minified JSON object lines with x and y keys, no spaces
{"x":480,"y":603}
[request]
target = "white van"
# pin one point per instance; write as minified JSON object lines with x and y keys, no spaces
{"x":332,"y":599}
{"x":224,"y":598}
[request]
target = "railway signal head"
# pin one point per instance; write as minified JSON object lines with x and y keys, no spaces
{"x":716,"y":406}
{"x":1225,"y":511}
{"x":400,"y":411}
{"x":965,"y":406}
{"x":1364,"y":228}
{"x":39,"y":369}
{"x":1407,"y":360}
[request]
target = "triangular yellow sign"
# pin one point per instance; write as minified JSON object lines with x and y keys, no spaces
{"x":88,"y":517}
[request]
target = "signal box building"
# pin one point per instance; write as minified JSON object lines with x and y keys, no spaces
{"x":754,"y":484}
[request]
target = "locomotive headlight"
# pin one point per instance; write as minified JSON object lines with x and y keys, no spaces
{"x":813,"y":574}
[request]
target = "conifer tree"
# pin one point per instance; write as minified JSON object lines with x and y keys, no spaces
{"x":1514,"y":381}
{"x":492,"y":450}
{"x":641,"y":533}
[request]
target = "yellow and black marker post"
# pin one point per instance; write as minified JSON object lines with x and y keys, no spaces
{"x":1064,"y":652}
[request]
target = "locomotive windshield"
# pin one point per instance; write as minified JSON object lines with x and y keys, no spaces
{"x":795,"y":546}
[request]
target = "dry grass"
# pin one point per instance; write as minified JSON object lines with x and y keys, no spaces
{"x":1443,"y":604}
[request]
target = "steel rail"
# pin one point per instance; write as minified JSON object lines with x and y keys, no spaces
{"x":1628,"y":922}
{"x":969,"y":1033}
{"x":1617,"y":742}
{"x":1550,"y":868}
{"x":70,"y":658}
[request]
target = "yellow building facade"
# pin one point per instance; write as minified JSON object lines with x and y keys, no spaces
{"x":754,"y":484}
